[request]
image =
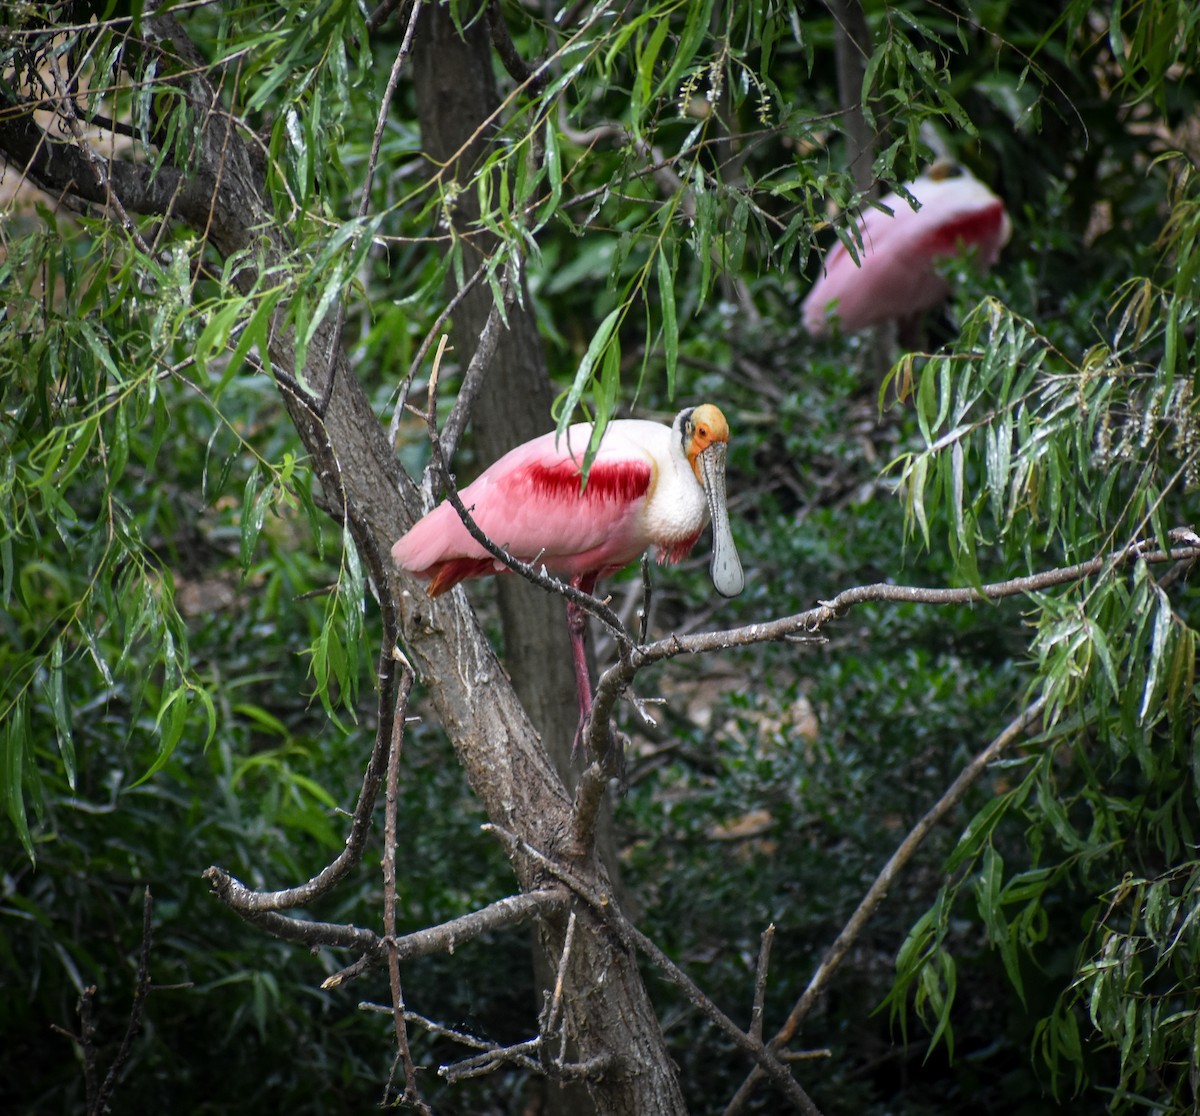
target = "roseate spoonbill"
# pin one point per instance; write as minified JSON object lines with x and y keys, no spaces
{"x":896,"y":275}
{"x":649,"y":485}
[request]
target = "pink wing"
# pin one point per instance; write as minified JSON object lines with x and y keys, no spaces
{"x":530,"y":503}
{"x":897,"y":276}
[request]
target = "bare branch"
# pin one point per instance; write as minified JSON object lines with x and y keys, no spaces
{"x":98,"y":1096}
{"x":87,"y":1041}
{"x":248,"y":902}
{"x":364,"y":202}
{"x":585,"y":810}
{"x":878,"y":890}
{"x":140,"y":992}
{"x":411,"y":1094}
{"x":556,"y":1000}
{"x":448,"y":936}
{"x":472,"y":381}
{"x":434,"y":331}
{"x":380,"y":15}
{"x":809,"y":623}
{"x":533,"y":78}
{"x":605,"y":907}
{"x":760,"y":981}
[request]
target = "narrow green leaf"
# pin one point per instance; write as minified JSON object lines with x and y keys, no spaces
{"x":12,"y":767}
{"x":61,"y":713}
{"x":169,"y":724}
{"x":253,"y":513}
{"x":595,"y":350}
{"x":670,"y":325}
{"x":118,"y":448}
{"x":1158,"y":646}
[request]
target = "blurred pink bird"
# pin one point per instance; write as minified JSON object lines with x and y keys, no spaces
{"x":896,"y":276}
{"x":649,"y":485}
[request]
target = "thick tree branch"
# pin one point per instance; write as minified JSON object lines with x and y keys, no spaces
{"x":59,"y":167}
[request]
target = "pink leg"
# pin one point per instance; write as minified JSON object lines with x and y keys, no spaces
{"x":577,"y":627}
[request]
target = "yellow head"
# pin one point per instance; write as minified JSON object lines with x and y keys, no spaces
{"x":704,"y":426}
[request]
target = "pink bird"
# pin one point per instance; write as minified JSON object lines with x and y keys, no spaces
{"x":896,"y":275}
{"x":649,"y":485}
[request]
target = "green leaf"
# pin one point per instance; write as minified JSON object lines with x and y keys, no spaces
{"x":595,"y":350}
{"x":15,"y":741}
{"x":670,"y":325}
{"x":254,"y":510}
{"x":61,"y":712}
{"x":169,"y":724}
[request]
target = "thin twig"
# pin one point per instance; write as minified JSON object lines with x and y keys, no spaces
{"x":446,"y":937}
{"x":555,"y":1005}
{"x":412,"y":1095}
{"x":481,"y":361}
{"x":140,"y":992}
{"x":564,"y":963}
{"x":433,"y":333}
{"x":67,"y":106}
{"x":246,"y":901}
{"x":760,"y":981}
{"x":364,"y":203}
{"x":87,"y":1042}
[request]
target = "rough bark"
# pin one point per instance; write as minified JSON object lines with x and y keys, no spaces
{"x":609,"y":1017}
{"x":455,"y":91}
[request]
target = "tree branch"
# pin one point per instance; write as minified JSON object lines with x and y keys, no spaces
{"x":364,"y":203}
{"x":99,"y":1095}
{"x":614,"y":680}
{"x":245,"y":901}
{"x":140,"y":992}
{"x":412,"y":1095}
{"x":878,"y":891}
{"x":60,"y":167}
{"x":448,"y":936}
{"x":472,"y":381}
{"x":532,"y":78}
{"x":632,"y":939}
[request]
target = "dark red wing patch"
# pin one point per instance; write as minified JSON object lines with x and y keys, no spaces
{"x":448,"y":574}
{"x":622,"y":481}
{"x":969,"y":229}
